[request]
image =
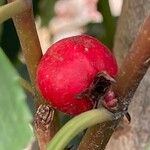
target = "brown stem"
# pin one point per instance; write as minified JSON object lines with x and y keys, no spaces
{"x":26,"y":30}
{"x":134,"y":67}
{"x":26,"y":85}
{"x":131,"y":73}
{"x":11,"y":9}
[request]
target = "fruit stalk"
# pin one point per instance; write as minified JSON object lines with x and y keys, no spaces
{"x":131,"y":73}
{"x":78,"y":124}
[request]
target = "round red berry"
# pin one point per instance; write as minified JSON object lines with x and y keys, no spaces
{"x":69,"y":67}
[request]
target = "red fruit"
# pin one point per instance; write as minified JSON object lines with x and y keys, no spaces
{"x":69,"y":67}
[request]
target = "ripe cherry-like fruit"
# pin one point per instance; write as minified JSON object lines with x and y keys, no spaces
{"x":68,"y":69}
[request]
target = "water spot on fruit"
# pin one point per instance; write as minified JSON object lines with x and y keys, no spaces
{"x":86,"y":49}
{"x":47,"y":76}
{"x":57,"y":56}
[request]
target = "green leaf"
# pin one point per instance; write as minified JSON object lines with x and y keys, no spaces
{"x":15,"y":117}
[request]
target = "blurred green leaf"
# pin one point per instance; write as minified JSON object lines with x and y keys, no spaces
{"x":46,"y":10}
{"x":104,"y":31}
{"x":109,"y":22}
{"x":1,"y":2}
{"x":15,"y":130}
{"x":99,"y":31}
{"x":96,"y":30}
{"x":35,"y":7}
{"x":147,"y":146}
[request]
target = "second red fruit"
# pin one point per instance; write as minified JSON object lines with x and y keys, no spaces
{"x":69,"y":67}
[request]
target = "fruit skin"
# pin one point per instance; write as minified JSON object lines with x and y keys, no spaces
{"x":68,"y":68}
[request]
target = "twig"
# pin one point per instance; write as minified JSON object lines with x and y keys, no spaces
{"x":131,"y":73}
{"x":26,"y":85}
{"x":11,"y":9}
{"x":25,"y":26}
{"x":134,"y":67}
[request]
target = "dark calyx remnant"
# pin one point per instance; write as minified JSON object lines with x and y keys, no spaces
{"x":98,"y":87}
{"x":100,"y":90}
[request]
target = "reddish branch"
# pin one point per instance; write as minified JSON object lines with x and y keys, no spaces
{"x":26,"y":30}
{"x":131,"y":73}
{"x":25,"y":26}
{"x":135,"y":66}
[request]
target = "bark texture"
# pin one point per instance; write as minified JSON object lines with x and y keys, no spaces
{"x":132,"y":16}
{"x":135,"y":135}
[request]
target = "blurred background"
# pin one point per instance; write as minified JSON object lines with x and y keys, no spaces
{"x":56,"y":19}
